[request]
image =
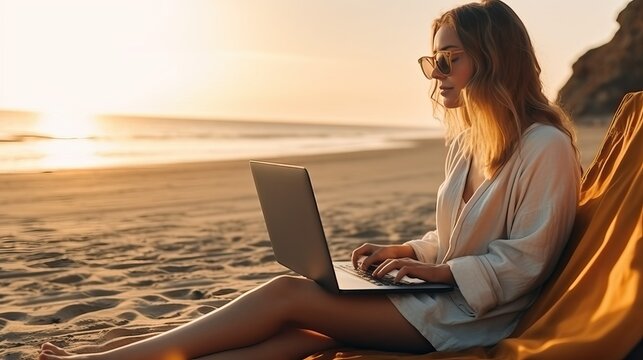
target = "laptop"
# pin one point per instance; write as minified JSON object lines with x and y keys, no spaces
{"x":295,"y":228}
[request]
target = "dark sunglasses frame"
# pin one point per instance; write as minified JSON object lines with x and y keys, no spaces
{"x":441,"y":60}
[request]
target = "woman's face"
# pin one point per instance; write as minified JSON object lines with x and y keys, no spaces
{"x":451,"y":85}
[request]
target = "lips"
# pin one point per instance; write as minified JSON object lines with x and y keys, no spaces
{"x":444,"y":90}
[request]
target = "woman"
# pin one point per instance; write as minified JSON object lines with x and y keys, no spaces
{"x":503,"y":213}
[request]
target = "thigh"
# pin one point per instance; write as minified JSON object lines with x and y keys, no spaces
{"x":370,"y":321}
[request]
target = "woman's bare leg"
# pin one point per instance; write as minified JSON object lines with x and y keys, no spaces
{"x":262,"y":313}
{"x":86,"y":349}
{"x":280,"y":347}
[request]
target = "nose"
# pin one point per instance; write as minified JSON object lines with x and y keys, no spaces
{"x":437,"y":74}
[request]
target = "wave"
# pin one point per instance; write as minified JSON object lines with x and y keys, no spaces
{"x":17,"y":138}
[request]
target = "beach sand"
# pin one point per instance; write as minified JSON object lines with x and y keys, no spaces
{"x":99,"y":257}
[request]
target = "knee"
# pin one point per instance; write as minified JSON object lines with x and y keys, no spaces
{"x":290,"y":291}
{"x":287,"y":284}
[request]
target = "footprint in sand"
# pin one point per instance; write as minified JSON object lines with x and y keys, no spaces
{"x":225,"y":291}
{"x":177,"y":294}
{"x":201,"y":310}
{"x":70,"y":279}
{"x":41,"y":256}
{"x":154,"y":299}
{"x":128,"y":315}
{"x":101,"y":292}
{"x":161,"y":311}
{"x":58,"y":263}
{"x":142,"y":283}
{"x":13,"y":316}
{"x":185,"y":294}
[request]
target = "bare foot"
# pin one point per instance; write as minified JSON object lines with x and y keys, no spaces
{"x":49,"y":355}
{"x":53,"y":349}
{"x":49,"y":351}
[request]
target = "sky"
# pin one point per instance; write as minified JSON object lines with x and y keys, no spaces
{"x":336,"y":61}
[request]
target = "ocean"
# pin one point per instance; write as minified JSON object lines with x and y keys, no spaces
{"x":38,"y":144}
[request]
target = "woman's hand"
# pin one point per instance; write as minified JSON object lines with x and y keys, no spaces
{"x":416,"y":269}
{"x":376,"y":254}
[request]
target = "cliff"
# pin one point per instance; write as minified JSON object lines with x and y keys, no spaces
{"x":602,"y":76}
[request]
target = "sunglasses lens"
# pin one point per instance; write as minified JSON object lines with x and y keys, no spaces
{"x":427,"y":67}
{"x":441,"y":61}
{"x":443,"y":64}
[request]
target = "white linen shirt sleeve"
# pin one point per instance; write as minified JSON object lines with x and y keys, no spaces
{"x":547,"y":192}
{"x":426,"y":248}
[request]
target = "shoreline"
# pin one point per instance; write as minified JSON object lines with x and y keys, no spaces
{"x":589,"y":135}
{"x":383,"y":146}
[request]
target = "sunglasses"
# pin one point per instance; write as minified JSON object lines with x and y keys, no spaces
{"x":441,"y":61}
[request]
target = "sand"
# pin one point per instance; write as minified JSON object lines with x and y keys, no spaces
{"x":98,"y":257}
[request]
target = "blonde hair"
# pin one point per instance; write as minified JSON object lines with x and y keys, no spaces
{"x":505,"y":95}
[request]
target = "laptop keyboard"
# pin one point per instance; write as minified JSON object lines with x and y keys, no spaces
{"x":366,"y":275}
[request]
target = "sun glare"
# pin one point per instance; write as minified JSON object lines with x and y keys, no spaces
{"x":68,"y":154}
{"x":69,"y":142}
{"x":66,"y":125}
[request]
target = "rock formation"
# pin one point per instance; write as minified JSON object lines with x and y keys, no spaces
{"x":602,"y":76}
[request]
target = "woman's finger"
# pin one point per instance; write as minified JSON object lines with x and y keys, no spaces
{"x":411,"y":271}
{"x":410,"y":267}
{"x":387,"y":266}
{"x":426,"y":272}
{"x":363,"y":250}
{"x":374,"y":258}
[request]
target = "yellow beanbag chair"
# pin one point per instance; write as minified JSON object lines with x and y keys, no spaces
{"x":592,"y":306}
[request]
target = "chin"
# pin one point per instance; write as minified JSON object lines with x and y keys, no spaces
{"x":452,"y":103}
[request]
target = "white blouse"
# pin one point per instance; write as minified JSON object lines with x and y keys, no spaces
{"x":501,"y":246}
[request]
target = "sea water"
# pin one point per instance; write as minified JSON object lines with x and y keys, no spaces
{"x":34,"y":144}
